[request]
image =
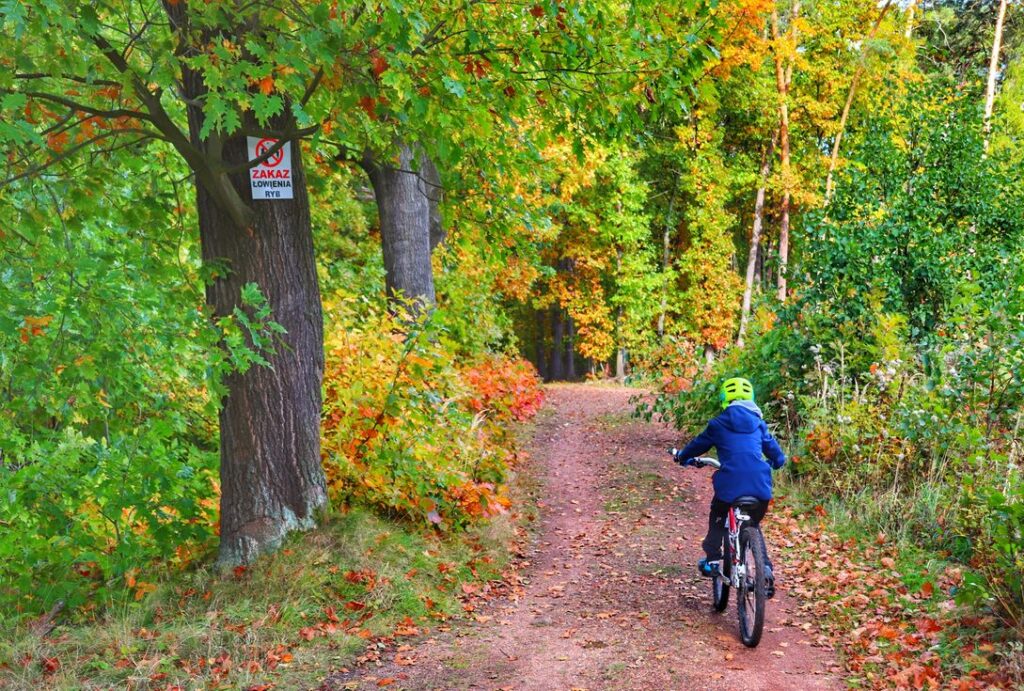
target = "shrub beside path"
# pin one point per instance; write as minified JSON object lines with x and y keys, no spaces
{"x":610,"y":597}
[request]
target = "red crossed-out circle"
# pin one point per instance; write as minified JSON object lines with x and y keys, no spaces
{"x":263,"y":146}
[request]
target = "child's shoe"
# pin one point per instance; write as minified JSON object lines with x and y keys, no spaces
{"x":707,"y":567}
{"x":769,"y":583}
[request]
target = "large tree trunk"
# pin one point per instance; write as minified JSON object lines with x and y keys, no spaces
{"x":556,"y":372}
{"x":755,"y":239}
{"x":666,"y":259}
{"x":271,"y":478}
{"x":783,"y":78}
{"x":270,"y":473}
{"x":404,"y":207}
{"x":540,"y":352}
{"x":435,"y":195}
{"x":570,"y":351}
{"x":858,"y":73}
{"x":993,"y":71}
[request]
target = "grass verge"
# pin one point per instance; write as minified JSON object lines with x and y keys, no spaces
{"x":285,"y":621}
{"x":884,"y":600}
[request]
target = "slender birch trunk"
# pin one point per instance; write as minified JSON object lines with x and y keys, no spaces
{"x":666,"y":258}
{"x":858,"y":73}
{"x":911,"y":11}
{"x":755,"y":237}
{"x":783,"y":78}
{"x":993,"y":71}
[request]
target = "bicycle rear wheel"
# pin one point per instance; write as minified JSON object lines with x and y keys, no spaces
{"x":719,"y":588}
{"x":751,"y":596}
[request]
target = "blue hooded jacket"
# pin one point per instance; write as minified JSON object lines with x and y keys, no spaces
{"x":742,"y":439}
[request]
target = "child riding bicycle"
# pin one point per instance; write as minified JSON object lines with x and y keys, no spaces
{"x":742,"y":439}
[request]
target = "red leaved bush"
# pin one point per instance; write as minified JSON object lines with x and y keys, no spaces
{"x":505,"y":387}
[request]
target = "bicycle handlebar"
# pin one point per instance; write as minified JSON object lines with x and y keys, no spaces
{"x":701,"y":461}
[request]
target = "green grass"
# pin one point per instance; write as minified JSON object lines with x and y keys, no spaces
{"x":632,"y":489}
{"x":387,"y":570}
{"x":611,"y":421}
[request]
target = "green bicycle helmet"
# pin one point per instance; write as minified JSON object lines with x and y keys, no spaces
{"x":736,"y":389}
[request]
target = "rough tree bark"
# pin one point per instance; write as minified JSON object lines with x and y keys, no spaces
{"x":854,"y":83}
{"x":666,"y":258}
{"x":540,"y":351}
{"x":755,"y":238}
{"x":993,"y":71}
{"x":271,"y":478}
{"x":404,"y":207}
{"x":556,"y":371}
{"x":570,"y":351}
{"x":783,"y":78}
{"x":435,"y":195}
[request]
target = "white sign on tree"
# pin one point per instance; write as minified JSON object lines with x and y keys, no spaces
{"x":272,"y":178}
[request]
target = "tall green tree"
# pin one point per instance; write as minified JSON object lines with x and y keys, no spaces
{"x":394,"y":86}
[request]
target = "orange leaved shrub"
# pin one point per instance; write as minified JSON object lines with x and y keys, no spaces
{"x":508,"y":388}
{"x":408,"y":432}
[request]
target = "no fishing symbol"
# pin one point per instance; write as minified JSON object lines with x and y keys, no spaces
{"x":272,"y":177}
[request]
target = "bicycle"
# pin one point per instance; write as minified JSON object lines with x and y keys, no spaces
{"x":743,"y":566}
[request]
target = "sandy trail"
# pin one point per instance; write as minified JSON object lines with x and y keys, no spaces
{"x":611,"y":597}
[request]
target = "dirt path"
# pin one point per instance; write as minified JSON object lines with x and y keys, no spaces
{"x":611,"y":597}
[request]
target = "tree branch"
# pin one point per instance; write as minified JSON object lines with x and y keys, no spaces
{"x":68,"y":153}
{"x":68,"y":77}
{"x":77,"y":106}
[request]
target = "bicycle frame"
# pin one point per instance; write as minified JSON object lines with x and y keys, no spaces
{"x":737,"y":519}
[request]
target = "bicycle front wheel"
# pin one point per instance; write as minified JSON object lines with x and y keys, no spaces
{"x":751,"y":595}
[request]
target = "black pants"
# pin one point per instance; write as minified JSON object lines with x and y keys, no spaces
{"x":718,"y":527}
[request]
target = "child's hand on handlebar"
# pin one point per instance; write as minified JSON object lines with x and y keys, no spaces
{"x":678,"y":458}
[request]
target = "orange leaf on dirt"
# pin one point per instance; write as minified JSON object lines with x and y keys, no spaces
{"x":406,"y":627}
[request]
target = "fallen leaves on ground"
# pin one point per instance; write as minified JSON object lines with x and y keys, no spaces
{"x":890,"y":636}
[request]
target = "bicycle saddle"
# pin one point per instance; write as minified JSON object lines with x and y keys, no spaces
{"x":746,"y":502}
